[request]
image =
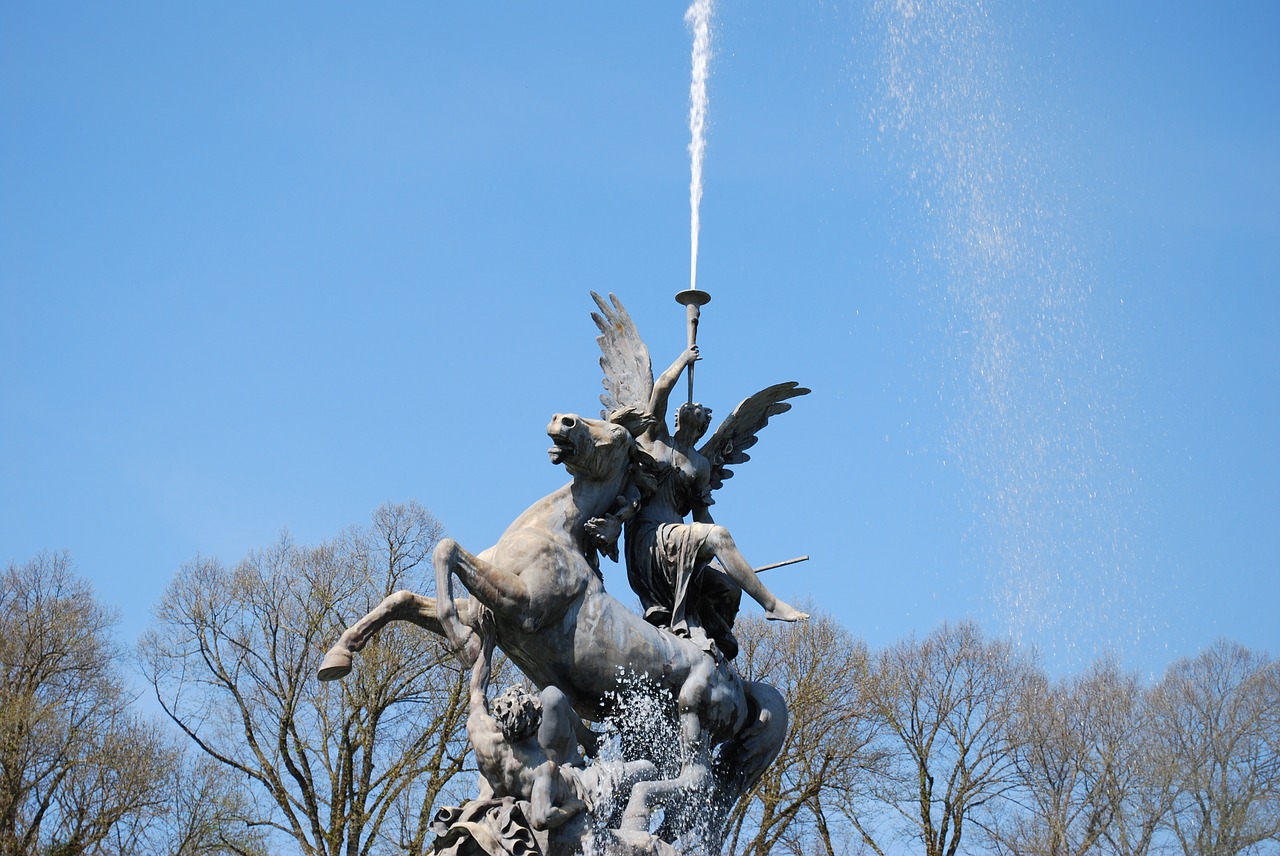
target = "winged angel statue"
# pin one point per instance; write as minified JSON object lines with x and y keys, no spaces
{"x":670,"y":562}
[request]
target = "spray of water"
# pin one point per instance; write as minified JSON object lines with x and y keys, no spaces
{"x":643,"y":724}
{"x":1029,"y":393}
{"x":698,"y":17}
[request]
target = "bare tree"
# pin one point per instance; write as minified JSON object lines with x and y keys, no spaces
{"x":943,"y":704}
{"x":1217,"y":717}
{"x":79,"y":773}
{"x":1083,"y":777}
{"x":354,"y":767}
{"x":209,"y":813}
{"x":1138,"y":792}
{"x":829,"y":754}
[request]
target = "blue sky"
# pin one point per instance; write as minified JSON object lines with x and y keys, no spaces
{"x":269,"y":266}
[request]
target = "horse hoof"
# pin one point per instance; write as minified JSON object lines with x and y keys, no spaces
{"x":336,"y":664}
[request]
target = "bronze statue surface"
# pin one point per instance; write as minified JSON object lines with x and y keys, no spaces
{"x":539,"y":596}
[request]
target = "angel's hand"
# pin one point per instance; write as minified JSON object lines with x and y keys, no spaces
{"x":604,"y":532}
{"x":691,"y":354}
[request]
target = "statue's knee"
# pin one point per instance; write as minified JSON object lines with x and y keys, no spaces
{"x":554,"y":701}
{"x":695,"y":775}
{"x":719,"y":538}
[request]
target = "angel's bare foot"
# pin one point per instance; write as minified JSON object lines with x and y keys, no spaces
{"x":783,"y":611}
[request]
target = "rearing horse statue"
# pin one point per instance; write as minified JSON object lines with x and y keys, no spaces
{"x":555,"y":621}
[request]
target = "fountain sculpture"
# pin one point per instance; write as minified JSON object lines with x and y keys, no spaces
{"x":539,"y":596}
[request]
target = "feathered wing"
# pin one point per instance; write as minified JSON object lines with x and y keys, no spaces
{"x":628,"y":371}
{"x":729,"y":444}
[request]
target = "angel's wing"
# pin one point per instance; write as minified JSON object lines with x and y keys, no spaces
{"x":628,"y":372}
{"x":729,"y":444}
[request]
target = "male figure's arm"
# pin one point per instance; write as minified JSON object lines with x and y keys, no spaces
{"x":482,"y":729}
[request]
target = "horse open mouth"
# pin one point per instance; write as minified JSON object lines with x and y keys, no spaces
{"x":563,"y":450}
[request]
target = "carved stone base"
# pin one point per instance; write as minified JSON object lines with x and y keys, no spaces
{"x":500,"y":828}
{"x":485,"y":828}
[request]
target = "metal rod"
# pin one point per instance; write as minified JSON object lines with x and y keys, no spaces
{"x":692,"y":299}
{"x":796,"y":560}
{"x":763,"y":568}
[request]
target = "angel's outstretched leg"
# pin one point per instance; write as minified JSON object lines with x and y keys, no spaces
{"x":719,"y":543}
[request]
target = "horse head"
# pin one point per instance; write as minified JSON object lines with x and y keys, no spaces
{"x":590,"y":449}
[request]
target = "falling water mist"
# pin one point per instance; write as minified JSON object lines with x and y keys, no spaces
{"x":1029,"y":391}
{"x":698,"y":17}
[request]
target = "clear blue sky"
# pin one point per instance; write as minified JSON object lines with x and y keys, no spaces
{"x":270,"y":265}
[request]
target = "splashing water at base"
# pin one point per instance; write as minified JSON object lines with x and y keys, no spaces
{"x":644,"y":724}
{"x":698,"y":17}
{"x":1030,"y":399}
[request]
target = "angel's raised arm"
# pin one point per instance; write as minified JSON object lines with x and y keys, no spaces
{"x":667,"y":381}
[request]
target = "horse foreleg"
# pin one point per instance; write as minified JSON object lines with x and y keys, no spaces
{"x":401,"y":606}
{"x":695,"y":752}
{"x":695,"y":772}
{"x":448,"y":556}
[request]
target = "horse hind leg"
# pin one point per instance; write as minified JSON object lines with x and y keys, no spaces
{"x":450,"y":557}
{"x":505,"y":593}
{"x":738,"y":765}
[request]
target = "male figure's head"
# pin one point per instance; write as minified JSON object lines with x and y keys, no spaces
{"x":692,"y":421}
{"x":518,"y":713}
